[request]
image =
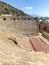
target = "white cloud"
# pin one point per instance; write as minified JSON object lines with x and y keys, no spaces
{"x":28,"y":7}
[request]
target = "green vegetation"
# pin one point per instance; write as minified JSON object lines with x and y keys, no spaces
{"x":8,"y":9}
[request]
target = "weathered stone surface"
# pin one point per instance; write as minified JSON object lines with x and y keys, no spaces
{"x":21,"y":53}
{"x":12,"y":54}
{"x":27,"y":27}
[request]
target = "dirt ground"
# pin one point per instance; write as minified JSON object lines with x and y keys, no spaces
{"x":21,"y":53}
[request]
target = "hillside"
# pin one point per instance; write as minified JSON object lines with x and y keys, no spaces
{"x":8,"y":9}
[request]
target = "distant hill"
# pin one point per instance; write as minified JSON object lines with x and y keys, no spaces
{"x":8,"y":9}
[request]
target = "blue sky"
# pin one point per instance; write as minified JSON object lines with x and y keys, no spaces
{"x":38,"y":7}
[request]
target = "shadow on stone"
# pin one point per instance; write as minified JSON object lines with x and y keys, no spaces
{"x":13,"y":40}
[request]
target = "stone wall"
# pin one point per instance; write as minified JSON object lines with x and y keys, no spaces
{"x":27,"y":27}
{"x":46,"y":35}
{"x":23,"y":26}
{"x":8,"y":17}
